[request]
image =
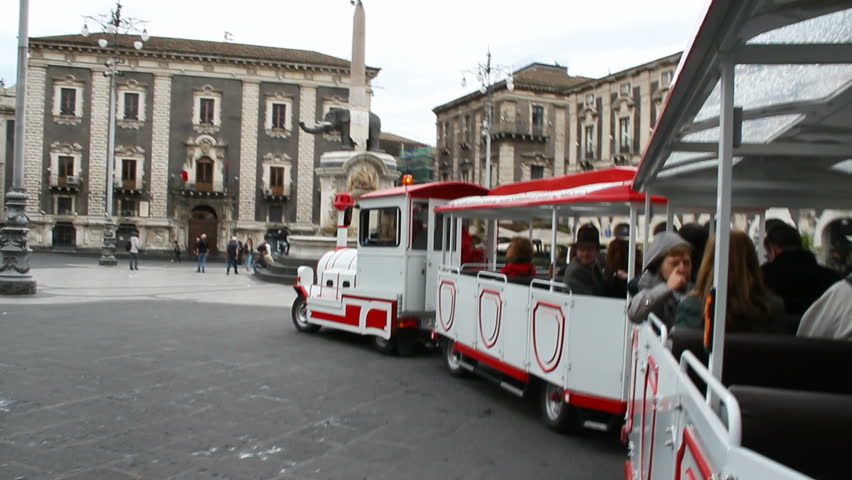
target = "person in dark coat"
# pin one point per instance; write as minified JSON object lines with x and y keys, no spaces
{"x":583,"y":275}
{"x":201,"y":251}
{"x":233,"y":251}
{"x":792,"y":272}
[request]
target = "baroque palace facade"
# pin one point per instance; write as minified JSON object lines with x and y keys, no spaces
{"x":207,"y":139}
{"x":553,"y":123}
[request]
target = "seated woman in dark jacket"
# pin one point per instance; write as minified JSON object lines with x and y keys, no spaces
{"x":751,"y":306}
{"x":519,"y":256}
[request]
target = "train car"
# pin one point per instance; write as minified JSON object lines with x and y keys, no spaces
{"x":532,"y":334}
{"x":379,"y":289}
{"x":758,"y":117}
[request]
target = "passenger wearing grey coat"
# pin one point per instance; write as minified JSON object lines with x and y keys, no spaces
{"x":665,"y":281}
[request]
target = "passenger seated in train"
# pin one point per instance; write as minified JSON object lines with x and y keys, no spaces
{"x":751,"y":306}
{"x":615,"y":269}
{"x":519,"y":256}
{"x":792,"y":272}
{"x":831,"y":315}
{"x":665,"y":280}
{"x":584,"y":275}
{"x":470,"y":253}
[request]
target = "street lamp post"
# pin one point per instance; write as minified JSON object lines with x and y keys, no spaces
{"x":114,"y":26}
{"x":15,"y":277}
{"x":488,"y":76}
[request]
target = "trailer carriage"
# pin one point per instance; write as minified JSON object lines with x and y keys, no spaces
{"x":533,"y":332}
{"x":758,"y":117}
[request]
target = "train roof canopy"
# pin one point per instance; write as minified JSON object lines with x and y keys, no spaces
{"x":439,"y":190}
{"x":602,"y":192}
{"x":793,"y":80}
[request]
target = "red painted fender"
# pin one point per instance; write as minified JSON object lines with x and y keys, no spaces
{"x":300,"y":291}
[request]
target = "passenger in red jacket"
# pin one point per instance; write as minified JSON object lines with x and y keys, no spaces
{"x":519,"y":256}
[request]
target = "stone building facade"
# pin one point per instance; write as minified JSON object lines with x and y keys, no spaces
{"x":207,"y":139}
{"x":552,"y":123}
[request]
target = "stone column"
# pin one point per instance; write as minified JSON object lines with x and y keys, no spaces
{"x":34,"y":149}
{"x":98,"y":133}
{"x":477,"y":149}
{"x":248,"y":151}
{"x":558,"y":141}
{"x":160,"y":120}
{"x":572,"y":132}
{"x":305,"y":179}
{"x":3,"y":160}
{"x":506,"y":159}
{"x":605,"y":113}
{"x":645,"y":110}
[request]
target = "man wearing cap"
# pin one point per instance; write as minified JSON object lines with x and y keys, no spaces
{"x":583,"y":275}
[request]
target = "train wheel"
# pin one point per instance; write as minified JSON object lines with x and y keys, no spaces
{"x":386,"y":346}
{"x":557,"y":414}
{"x":299,"y":311}
{"x":453,"y":359}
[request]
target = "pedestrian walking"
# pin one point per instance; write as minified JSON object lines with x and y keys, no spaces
{"x":249,"y":246}
{"x":134,"y":251}
{"x":201,"y":250}
{"x":233,"y":251}
{"x":176,"y":249}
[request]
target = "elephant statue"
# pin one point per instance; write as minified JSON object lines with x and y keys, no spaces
{"x":338,"y":120}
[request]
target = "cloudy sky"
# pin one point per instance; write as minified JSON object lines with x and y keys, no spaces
{"x":422,"y":47}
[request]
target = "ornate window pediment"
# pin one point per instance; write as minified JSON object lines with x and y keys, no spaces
{"x":131,"y":105}
{"x":206,"y":110}
{"x":277,"y":176}
{"x":279,"y":113}
{"x":68,"y":100}
{"x":65,"y":166}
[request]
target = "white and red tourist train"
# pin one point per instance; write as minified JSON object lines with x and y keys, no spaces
{"x":758,"y":117}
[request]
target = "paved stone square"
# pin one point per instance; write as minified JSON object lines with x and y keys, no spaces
{"x":164,"y":373}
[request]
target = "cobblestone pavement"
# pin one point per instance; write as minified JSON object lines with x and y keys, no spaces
{"x":164,"y":373}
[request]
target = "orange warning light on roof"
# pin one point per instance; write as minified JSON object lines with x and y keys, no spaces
{"x":408,"y":179}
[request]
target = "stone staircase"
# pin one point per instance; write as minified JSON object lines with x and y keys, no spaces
{"x":284,"y":269}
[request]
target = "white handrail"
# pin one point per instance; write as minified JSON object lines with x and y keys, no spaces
{"x":550,"y":283}
{"x":449,"y":268}
{"x":656,"y":322}
{"x":491,"y":275}
{"x":732,"y":407}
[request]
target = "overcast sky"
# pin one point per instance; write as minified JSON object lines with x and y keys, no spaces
{"x":422,"y":47}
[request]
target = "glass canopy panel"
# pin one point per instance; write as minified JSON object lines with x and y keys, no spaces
{"x":757,"y":86}
{"x":759,"y":130}
{"x":832,"y":28}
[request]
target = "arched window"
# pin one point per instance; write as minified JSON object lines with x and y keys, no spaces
{"x":204,"y":174}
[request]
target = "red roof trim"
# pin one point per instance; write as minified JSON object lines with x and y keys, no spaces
{"x":615,"y":194}
{"x":565,"y":182}
{"x":440,"y":190}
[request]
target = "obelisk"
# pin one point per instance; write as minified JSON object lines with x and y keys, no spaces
{"x":359,"y":96}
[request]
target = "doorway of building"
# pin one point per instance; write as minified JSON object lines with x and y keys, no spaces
{"x":64,"y":235}
{"x":203,"y":220}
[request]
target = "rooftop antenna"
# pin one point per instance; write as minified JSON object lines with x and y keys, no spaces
{"x":229,"y":37}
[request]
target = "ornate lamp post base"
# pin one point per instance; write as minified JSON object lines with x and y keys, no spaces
{"x":15,"y":278}
{"x":108,"y":250}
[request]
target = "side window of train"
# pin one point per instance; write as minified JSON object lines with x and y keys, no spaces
{"x":439,"y":231}
{"x":379,"y":227}
{"x":419,"y":225}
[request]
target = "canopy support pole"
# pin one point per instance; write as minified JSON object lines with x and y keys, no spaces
{"x":554,"y":223}
{"x":647,"y":234}
{"x":761,"y":236}
{"x":723,"y":215}
{"x":669,"y":217}
{"x":631,"y":253}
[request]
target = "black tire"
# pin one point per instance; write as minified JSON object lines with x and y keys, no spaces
{"x":452,"y":359}
{"x":388,"y":347}
{"x":557,"y":415}
{"x":299,"y":312}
